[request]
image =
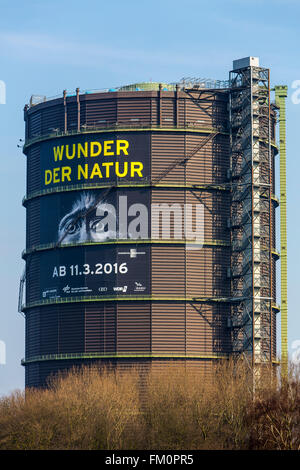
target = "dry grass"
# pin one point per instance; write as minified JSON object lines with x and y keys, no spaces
{"x":177,"y":409}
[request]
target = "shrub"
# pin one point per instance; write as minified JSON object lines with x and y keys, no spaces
{"x":174,"y":406}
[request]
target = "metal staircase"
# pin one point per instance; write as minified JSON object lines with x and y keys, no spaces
{"x":250,"y":224}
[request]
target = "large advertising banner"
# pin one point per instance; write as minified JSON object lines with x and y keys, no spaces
{"x":94,"y":158}
{"x":95,"y":271}
{"x":78,"y":222}
{"x":92,"y":241}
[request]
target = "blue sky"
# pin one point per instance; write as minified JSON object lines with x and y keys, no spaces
{"x":47,"y":46}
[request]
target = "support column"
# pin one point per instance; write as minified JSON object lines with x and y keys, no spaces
{"x":280,"y":97}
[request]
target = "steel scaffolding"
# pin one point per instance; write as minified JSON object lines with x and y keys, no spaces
{"x":250,"y":224}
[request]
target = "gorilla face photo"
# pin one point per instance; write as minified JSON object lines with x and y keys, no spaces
{"x":82,"y":224}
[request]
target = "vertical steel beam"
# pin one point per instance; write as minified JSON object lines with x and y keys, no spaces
{"x":280,"y":97}
{"x":65,"y":111}
{"x":160,"y":104}
{"x":78,"y":109}
{"x":177,"y":105}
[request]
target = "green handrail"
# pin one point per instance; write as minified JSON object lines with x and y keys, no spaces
{"x":133,"y":184}
{"x":118,"y":298}
{"x":117,"y":355}
{"x":130,"y":241}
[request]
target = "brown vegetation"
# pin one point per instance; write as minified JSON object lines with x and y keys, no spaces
{"x":170,"y":408}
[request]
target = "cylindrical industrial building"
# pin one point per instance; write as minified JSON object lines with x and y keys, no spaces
{"x":148,"y":237}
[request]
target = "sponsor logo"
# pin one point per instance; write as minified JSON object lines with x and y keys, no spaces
{"x":49,"y":293}
{"x":139,"y":287}
{"x":102,"y":289}
{"x":120,"y":289}
{"x":80,"y":290}
{"x":76,"y":290}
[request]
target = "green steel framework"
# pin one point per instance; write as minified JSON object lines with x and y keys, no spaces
{"x":280,"y":97}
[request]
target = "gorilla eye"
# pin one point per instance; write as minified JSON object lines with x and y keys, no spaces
{"x":72,"y":227}
{"x":96,"y":225}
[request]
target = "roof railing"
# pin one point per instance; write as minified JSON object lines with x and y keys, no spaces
{"x":188,"y":82}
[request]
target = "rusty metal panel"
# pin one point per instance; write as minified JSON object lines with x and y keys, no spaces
{"x":33,"y":279}
{"x":100,"y":328}
{"x":100,"y":112}
{"x":165,"y":148}
{"x":52,"y":118}
{"x":33,"y":169}
{"x":33,"y":223}
{"x":32,"y":333}
{"x":216,"y":209}
{"x":134,"y":110}
{"x":199,"y":329}
{"x":133,"y":327}
{"x":35,"y":124}
{"x":181,"y":110}
{"x":94,"y":329}
{"x":32,"y":375}
{"x":210,"y":164}
{"x":168,"y":270}
{"x":72,"y":116}
{"x":199,"y":112}
{"x":168,"y":111}
{"x":71,"y":329}
{"x":207,"y":331}
{"x":110,"y":329}
{"x":168,"y":327}
{"x":49,"y":330}
{"x":154,"y":111}
{"x":169,"y":196}
{"x":206,"y":271}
